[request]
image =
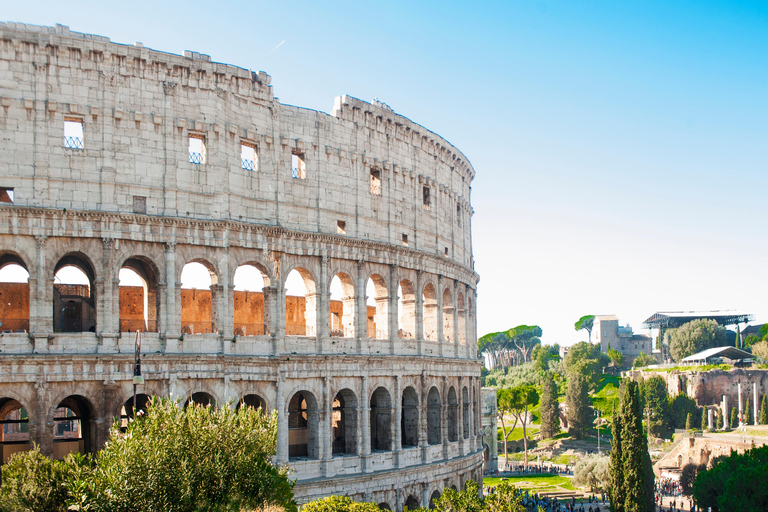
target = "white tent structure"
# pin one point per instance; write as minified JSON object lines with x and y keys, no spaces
{"x":717,"y":355}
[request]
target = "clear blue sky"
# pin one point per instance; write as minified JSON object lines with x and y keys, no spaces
{"x":621,"y":148}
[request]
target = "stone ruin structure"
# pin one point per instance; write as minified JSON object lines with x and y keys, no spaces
{"x":120,"y":159}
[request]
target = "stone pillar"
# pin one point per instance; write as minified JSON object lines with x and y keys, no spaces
{"x":425,"y":495}
{"x":392,"y":329}
{"x":364,"y":440}
{"x":282,"y":422}
{"x":41,"y":300}
{"x":172,"y":307}
{"x":423,"y":440}
{"x":326,"y":405}
{"x":419,"y":313}
{"x":726,"y":418}
{"x":444,"y":416}
{"x":361,"y":307}
{"x":710,"y":423}
{"x":467,"y":326}
{"x":397,"y":436}
{"x":460,"y":415}
{"x":217,"y":297}
{"x":456,"y":342}
{"x":271,"y":327}
{"x":226,"y":305}
{"x":323,"y":311}
{"x":440,"y":312}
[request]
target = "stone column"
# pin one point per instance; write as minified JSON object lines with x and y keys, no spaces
{"x":440,"y":312}
{"x":460,"y":415}
{"x":41,"y":300}
{"x":444,"y":416}
{"x":392,"y":319}
{"x":364,"y":440}
{"x":271,"y":328}
{"x":105,"y":321}
{"x":419,"y":297}
{"x":172,"y":297}
{"x":456,"y":341}
{"x":323,"y":311}
{"x":726,"y":419}
{"x":361,"y":307}
{"x":282,"y":422}
{"x":226,"y":325}
{"x":326,"y":405}
{"x":423,"y":439}
{"x":710,"y":423}
{"x":425,"y":495}
{"x":397,"y":436}
{"x":467,"y":327}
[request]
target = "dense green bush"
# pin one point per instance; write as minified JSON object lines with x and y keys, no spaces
{"x":32,"y":482}
{"x":339,"y":504}
{"x":735,"y":483}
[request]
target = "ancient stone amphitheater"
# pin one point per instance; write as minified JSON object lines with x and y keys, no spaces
{"x":127,"y":166}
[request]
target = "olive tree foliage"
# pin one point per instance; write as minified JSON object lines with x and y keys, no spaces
{"x":643,"y":360}
{"x":695,"y":336}
{"x":504,"y":499}
{"x":591,"y":472}
{"x":517,"y":402}
{"x":760,"y":350}
{"x":586,"y":322}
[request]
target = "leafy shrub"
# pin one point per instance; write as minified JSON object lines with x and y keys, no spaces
{"x":339,"y":504}
{"x":592,"y":472}
{"x":34,"y":483}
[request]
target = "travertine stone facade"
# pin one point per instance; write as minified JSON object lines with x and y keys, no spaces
{"x":156,"y":179}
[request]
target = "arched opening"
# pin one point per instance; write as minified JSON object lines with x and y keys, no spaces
{"x":476,"y":423}
{"x":138,"y":296}
{"x":433,"y":416}
{"x":342,"y":322}
{"x":471,"y":320}
{"x":74,"y":300}
{"x":462,"y":319}
{"x":384,"y":506}
{"x":14,"y":295}
{"x":465,"y":411}
{"x":409,"y":419}
{"x":127,"y":411}
{"x":454,"y":487}
{"x":448,"y":333}
{"x":302,"y":426}
{"x":453,"y":416}
{"x":430,"y":313}
{"x":381,"y":420}
{"x":377,"y":304}
{"x":198,"y":294}
{"x":202,"y":399}
{"x":249,"y":313}
{"x":406,"y":310}
{"x":412,"y":503}
{"x":300,"y":304}
{"x":344,"y":423}
{"x":254,"y":401}
{"x":14,"y":436}
{"x":433,"y":499}
{"x":72,"y":427}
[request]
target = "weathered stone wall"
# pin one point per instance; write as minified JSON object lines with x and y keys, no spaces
{"x":131,"y":198}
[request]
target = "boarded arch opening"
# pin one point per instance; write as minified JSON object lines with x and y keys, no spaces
{"x":138,"y":296}
{"x":453,"y":416}
{"x":377,"y":303}
{"x":430,"y":313}
{"x":74,"y":300}
{"x":73,"y":427}
{"x":300,"y":303}
{"x":381,"y":420}
{"x":249,"y":315}
{"x":303,"y":426}
{"x":409,"y":419}
{"x":14,"y":295}
{"x":342,"y":321}
{"x":406,"y":310}
{"x":344,"y":423}
{"x":198,"y":294}
{"x":14,"y":436}
{"x":433,"y":416}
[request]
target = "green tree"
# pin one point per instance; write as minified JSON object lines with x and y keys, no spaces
{"x":550,"y":408}
{"x":34,"y":483}
{"x":504,"y":401}
{"x":760,"y":350}
{"x":617,"y":357}
{"x":586,"y":322}
{"x":524,"y":398}
{"x":738,"y":343}
{"x":339,"y":504}
{"x":578,"y":412}
{"x":764,"y":410}
{"x":467,"y":500}
{"x":656,"y":406}
{"x":634,"y":452}
{"x":704,"y":422}
{"x":586,"y":360}
{"x":643,"y":360}
{"x":750,"y":340}
{"x":592,"y":472}
{"x":680,"y":406}
{"x":504,"y":499}
{"x":688,"y":476}
{"x":695,"y":336}
{"x":734,"y":418}
{"x":543,"y":354}
{"x":748,"y":412}
{"x":616,"y":491}
{"x":732,"y":484}
{"x":689,"y":422}
{"x":719,"y":421}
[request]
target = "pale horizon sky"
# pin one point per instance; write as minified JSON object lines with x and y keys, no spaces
{"x":621,"y":148}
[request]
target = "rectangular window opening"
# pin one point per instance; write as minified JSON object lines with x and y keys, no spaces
{"x":248,"y":157}
{"x":425,"y":203}
{"x":341,"y":227}
{"x":458,"y":214}
{"x":376,"y":182}
{"x":196,"y":149}
{"x":73,"y":133}
{"x":139,"y":204}
{"x":298,"y":167}
{"x":446,"y":251}
{"x":6,"y":195}
{"x":405,"y":240}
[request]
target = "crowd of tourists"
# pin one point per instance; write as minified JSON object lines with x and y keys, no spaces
{"x":670,"y":488}
{"x":532,"y":502}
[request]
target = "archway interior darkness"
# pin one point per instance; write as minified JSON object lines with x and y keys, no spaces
{"x":14,"y":295}
{"x":72,"y":427}
{"x":381,"y":420}
{"x":384,"y":506}
{"x":412,"y":502}
{"x":406,"y":310}
{"x":249,"y":314}
{"x":377,"y":307}
{"x":74,"y":301}
{"x":138,"y":297}
{"x":198,"y":294}
{"x":344,"y":423}
{"x":127,"y":411}
{"x":453,"y":415}
{"x":254,"y":401}
{"x":14,"y":436}
{"x":409,"y":419}
{"x":302,"y":426}
{"x":433,"y":416}
{"x":433,"y":499}
{"x":201,"y":398}
{"x":342,"y":321}
{"x":300,"y":303}
{"x":465,"y":404}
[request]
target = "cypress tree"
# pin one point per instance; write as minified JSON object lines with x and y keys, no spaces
{"x":734,"y":419}
{"x":615,"y":471}
{"x":577,"y":400}
{"x":634,"y":449}
{"x":704,"y":424}
{"x":550,"y":408}
{"x":764,"y":410}
{"x":719,"y":423}
{"x":689,"y":422}
{"x":748,"y":412}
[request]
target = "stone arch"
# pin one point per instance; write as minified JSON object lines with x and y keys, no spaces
{"x":452,"y":416}
{"x":381,"y":420}
{"x":14,"y":294}
{"x":378,"y":322}
{"x":303,"y":419}
{"x":429,"y":307}
{"x":202,"y":398}
{"x":198,"y":314}
{"x":448,"y":309}
{"x":462,"y":318}
{"x":384,"y":506}
{"x":73,"y":427}
{"x":74,"y":305}
{"x":433,"y":499}
{"x":409,"y":419}
{"x":14,"y":428}
{"x":258,"y":263}
{"x":412,"y":502}
{"x":344,"y":423}
{"x":465,"y":411}
{"x":301,"y":312}
{"x":406,"y":310}
{"x":139,"y":306}
{"x":252,"y":400}
{"x":434,"y":413}
{"x":127,"y":409}
{"x":249,"y":312}
{"x":342,"y":320}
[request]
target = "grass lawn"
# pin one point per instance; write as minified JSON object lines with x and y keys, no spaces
{"x":517,"y":434}
{"x":536,"y":483}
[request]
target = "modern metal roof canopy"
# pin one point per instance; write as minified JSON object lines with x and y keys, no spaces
{"x":731,"y":353}
{"x":672,"y":319}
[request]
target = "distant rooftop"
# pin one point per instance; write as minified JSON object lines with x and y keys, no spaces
{"x":671,"y":319}
{"x":731,"y":353}
{"x":607,"y":317}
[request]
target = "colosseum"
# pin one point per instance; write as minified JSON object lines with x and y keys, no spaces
{"x":125,"y":170}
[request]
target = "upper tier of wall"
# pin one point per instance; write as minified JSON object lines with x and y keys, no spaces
{"x":139,"y":108}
